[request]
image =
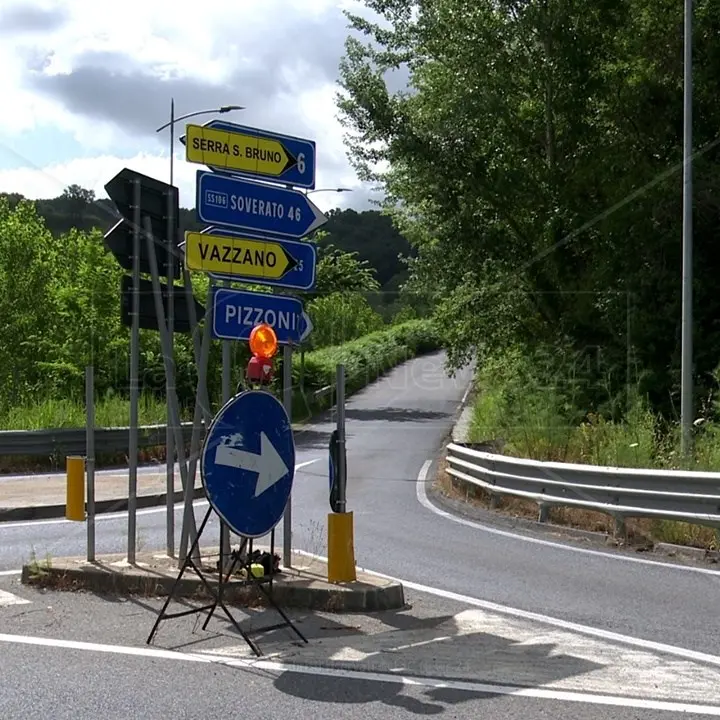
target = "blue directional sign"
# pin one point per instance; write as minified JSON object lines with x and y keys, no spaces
{"x":248,"y":151}
{"x":300,"y":260}
{"x":247,"y":463}
{"x":236,"y":313}
{"x":245,"y":205}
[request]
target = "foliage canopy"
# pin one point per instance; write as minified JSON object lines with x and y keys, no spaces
{"x":535,"y":163}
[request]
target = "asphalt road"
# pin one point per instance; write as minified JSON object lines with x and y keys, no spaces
{"x":394,"y":428}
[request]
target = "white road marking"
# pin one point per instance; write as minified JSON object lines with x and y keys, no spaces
{"x":465,"y":396}
{"x":659,"y":565}
{"x":538,"y":617}
{"x":541,"y":693}
{"x":120,"y":513}
{"x":7,"y":599}
{"x":10,"y":572}
{"x":480,"y":645}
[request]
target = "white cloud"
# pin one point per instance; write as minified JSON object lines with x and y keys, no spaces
{"x":166,"y":41}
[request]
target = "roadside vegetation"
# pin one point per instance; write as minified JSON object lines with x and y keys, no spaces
{"x":528,"y":408}
{"x":546,"y":411}
{"x":60,"y":303}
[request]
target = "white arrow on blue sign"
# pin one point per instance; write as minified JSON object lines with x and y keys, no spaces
{"x":245,"y":205}
{"x":236,"y":313}
{"x":247,"y":464}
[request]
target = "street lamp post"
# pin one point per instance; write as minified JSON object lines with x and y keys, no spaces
{"x":337,"y":189}
{"x":169,"y":437}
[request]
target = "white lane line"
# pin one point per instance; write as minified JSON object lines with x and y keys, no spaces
{"x":659,"y":565}
{"x":119,"y":513}
{"x":408,"y":681}
{"x":10,"y":572}
{"x":7,"y":599}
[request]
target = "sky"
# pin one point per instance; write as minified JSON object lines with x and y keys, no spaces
{"x":86,"y":83}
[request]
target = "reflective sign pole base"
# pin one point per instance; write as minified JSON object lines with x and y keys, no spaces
{"x":341,"y":548}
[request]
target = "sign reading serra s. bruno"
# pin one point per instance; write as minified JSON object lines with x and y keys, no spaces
{"x":252,"y":152}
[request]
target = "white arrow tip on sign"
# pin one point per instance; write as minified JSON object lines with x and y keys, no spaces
{"x":308,"y":326}
{"x":272,"y":467}
{"x":320,"y":218}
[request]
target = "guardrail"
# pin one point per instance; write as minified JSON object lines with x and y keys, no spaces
{"x":62,"y":442}
{"x":71,"y":441}
{"x":692,"y":497}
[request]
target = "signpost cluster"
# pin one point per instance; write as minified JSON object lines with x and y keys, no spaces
{"x":247,"y":461}
{"x":256,"y":219}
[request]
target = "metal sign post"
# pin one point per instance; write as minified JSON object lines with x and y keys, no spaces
{"x":134,"y":371}
{"x":202,"y":413}
{"x":168,"y":359}
{"x":254,"y":236}
{"x":90,"y":459}
{"x":341,"y":550}
{"x":226,"y":370}
{"x":342,"y":457}
{"x":169,"y":384}
{"x":145,"y":202}
{"x":287,"y":403}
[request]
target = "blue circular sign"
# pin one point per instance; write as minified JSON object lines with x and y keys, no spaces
{"x":247,"y":463}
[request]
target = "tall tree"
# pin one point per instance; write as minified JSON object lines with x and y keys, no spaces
{"x":534,"y":164}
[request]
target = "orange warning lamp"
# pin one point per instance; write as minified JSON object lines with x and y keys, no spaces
{"x":263,"y":341}
{"x":263,"y":345}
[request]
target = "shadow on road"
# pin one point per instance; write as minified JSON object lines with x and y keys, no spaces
{"x":431,"y":648}
{"x":394,"y":414}
{"x":441,"y":649}
{"x":311,"y":439}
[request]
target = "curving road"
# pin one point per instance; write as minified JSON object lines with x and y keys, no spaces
{"x":395,"y":428}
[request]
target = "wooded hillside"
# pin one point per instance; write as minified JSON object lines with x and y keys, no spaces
{"x":371,"y":234}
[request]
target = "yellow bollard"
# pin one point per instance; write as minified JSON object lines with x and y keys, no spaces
{"x":341,"y":548}
{"x":75,"y":489}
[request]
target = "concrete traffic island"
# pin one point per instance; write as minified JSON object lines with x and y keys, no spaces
{"x":304,"y":585}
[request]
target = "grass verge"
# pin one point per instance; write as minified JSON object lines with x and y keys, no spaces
{"x":365,"y":359}
{"x":521,"y":413}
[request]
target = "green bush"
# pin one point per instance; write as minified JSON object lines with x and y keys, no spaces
{"x":340,"y":317}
